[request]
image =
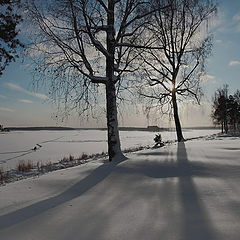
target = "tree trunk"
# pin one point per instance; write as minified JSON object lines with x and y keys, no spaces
{"x":235,"y":120}
{"x":176,"y":118}
{"x":225,"y":125}
{"x":225,"y":115}
{"x":114,"y":148}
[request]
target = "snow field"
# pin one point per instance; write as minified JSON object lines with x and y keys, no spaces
{"x":18,"y":146}
{"x":181,"y":191}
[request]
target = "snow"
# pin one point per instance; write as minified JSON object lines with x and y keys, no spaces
{"x":17,"y":146}
{"x":182,"y":191}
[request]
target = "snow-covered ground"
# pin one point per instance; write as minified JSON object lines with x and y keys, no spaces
{"x":183,"y":191}
{"x":17,"y":146}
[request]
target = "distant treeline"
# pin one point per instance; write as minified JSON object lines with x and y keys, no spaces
{"x":149,"y":128}
{"x":39,"y":128}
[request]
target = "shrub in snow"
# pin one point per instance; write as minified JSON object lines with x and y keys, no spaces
{"x":24,"y":166}
{"x":158,"y":140}
{"x":3,"y":176}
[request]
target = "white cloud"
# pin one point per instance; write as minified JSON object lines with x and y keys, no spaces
{"x":6,"y":109}
{"x":25,"y":101}
{"x":38,"y":95}
{"x":237,"y":28}
{"x":236,"y":21}
{"x":234,"y":63}
{"x":20,"y":89}
{"x":236,"y":17}
{"x":223,"y":25}
{"x":218,"y":22}
{"x":2,"y":96}
{"x":208,"y":79}
{"x":14,"y":86}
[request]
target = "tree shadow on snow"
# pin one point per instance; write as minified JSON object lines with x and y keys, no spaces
{"x":153,"y":153}
{"x":98,"y":175}
{"x":196,"y":223}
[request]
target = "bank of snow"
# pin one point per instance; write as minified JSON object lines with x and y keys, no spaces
{"x":181,"y":191}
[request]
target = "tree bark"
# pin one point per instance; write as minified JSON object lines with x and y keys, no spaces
{"x":225,"y":125}
{"x":180,"y":137}
{"x":114,"y":148}
{"x":225,"y":111}
{"x":235,"y":120}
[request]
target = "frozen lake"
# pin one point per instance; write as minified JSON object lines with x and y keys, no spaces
{"x":17,"y":145}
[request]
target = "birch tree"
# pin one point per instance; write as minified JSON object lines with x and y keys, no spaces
{"x":174,"y":72}
{"x":82,"y":44}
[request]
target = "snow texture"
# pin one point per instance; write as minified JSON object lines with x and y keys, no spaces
{"x":183,"y":191}
{"x":55,"y":145}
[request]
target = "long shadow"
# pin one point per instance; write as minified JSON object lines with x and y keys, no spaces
{"x":75,"y":191}
{"x":153,"y":153}
{"x":196,"y":224}
{"x":180,"y":168}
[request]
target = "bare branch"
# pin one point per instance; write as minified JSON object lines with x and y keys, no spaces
{"x":131,"y":45}
{"x":103,"y":5}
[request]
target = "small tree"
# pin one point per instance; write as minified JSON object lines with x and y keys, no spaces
{"x":220,"y":108}
{"x":8,"y":32}
{"x":236,"y":97}
{"x":174,"y":72}
{"x":232,"y":108}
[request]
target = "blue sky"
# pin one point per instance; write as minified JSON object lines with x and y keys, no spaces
{"x":224,"y":64}
{"x":21,"y":105}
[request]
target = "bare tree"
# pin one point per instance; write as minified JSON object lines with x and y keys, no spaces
{"x":176,"y":69}
{"x":83,"y":44}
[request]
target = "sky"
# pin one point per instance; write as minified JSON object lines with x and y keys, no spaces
{"x":23,"y":105}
